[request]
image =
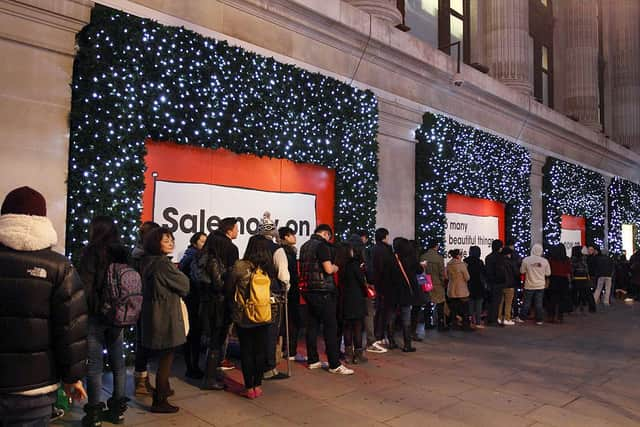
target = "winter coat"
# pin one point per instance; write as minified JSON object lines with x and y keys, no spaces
{"x":207,"y":281}
{"x":604,"y":266}
{"x":411,"y":294}
{"x":496,"y":270}
{"x":383,"y":269}
{"x":294,"y":278}
{"x":458,"y":276}
{"x":43,"y":310}
{"x":477,"y":277}
{"x":92,"y":269}
{"x":163,"y":286}
{"x":435,"y":267}
{"x":354,"y":291}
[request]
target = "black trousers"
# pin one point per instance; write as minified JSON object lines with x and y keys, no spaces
{"x":352,"y":330}
{"x":273,"y":334}
{"x":321,"y":310}
{"x":295,"y":323}
{"x":141,"y":356}
{"x":559,"y":298}
{"x":192,"y":347}
{"x":385,"y":312}
{"x":253,"y":353}
{"x":494,"y":305}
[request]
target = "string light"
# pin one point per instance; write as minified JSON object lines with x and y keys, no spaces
{"x":135,"y":81}
{"x":454,"y":158}
{"x":569,"y":189}
{"x":624,"y":208}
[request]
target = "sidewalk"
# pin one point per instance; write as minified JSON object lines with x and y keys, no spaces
{"x":583,"y":373}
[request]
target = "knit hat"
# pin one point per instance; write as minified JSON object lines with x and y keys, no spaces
{"x":266,"y":226}
{"x":24,"y":201}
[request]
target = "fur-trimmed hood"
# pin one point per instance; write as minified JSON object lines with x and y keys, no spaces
{"x":27,"y":232}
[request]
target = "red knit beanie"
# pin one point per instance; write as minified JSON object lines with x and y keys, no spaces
{"x":24,"y":201}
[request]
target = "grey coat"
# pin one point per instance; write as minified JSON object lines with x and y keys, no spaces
{"x":163,"y":286}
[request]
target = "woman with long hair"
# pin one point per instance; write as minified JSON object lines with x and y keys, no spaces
{"x":559,"y":282}
{"x":406,"y":285}
{"x":191,"y":348}
{"x":257,"y":260}
{"x":353,"y":293}
{"x":104,"y":248}
{"x":163,"y":325}
{"x":458,"y":290}
{"x":581,"y":281}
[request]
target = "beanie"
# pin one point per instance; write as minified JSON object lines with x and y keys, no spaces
{"x":266,"y":226}
{"x":24,"y":201}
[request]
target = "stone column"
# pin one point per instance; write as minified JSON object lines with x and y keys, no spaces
{"x":626,"y":73}
{"x":508,"y":43}
{"x":537,"y":163}
{"x":383,"y":9}
{"x":581,"y":63}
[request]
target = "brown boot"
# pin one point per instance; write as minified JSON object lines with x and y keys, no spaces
{"x":161,"y":405}
{"x":143,"y":386}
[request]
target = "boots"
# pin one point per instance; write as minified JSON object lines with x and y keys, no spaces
{"x":161,"y":405}
{"x":442,"y":324}
{"x":93,"y":415}
{"x":359,"y":357}
{"x":115,"y":410}
{"x":414,"y":329}
{"x":143,"y":386}
{"x":406,"y":334}
{"x":390,"y":338}
{"x":213,"y":376}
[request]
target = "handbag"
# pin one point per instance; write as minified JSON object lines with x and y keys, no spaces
{"x":185,"y":316}
{"x":425,"y":282}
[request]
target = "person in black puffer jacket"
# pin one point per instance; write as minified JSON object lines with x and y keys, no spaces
{"x":43,"y":311}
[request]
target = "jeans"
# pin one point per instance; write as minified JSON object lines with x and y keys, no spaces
{"x":504,"y":310}
{"x":102,"y":336}
{"x":537,"y":295}
{"x":272,"y":334}
{"x":253,"y":354}
{"x":321,"y":309}
{"x":26,"y":411}
{"x":606,"y":283}
{"x":368,"y":322}
{"x":475,"y":309}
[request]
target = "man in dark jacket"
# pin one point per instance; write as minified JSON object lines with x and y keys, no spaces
{"x":383,"y":269}
{"x":317,"y":268}
{"x":44,"y":314}
{"x":496,"y":280}
{"x":288,"y":242}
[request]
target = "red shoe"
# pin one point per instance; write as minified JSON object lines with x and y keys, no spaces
{"x":258,"y":391}
{"x":248,"y":393}
{"x":226,"y":365}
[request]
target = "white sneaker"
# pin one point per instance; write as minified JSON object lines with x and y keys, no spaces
{"x":318,"y":365}
{"x":518,"y":320}
{"x":341,"y":370}
{"x":539,"y":323}
{"x":376,"y":349}
{"x":379,"y":346}
{"x":298,"y":358}
{"x":508,"y":323}
{"x":499,"y":321}
{"x":628,"y":300}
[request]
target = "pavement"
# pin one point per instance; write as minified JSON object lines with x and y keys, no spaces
{"x":582,"y":373}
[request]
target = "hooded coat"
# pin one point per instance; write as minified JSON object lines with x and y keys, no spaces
{"x":536,"y":269}
{"x":477,"y":273}
{"x":496,"y":268}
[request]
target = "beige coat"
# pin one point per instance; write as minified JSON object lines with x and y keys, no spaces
{"x":458,"y":277}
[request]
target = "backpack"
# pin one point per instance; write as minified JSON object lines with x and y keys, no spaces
{"x":253,"y":301}
{"x":121,"y":301}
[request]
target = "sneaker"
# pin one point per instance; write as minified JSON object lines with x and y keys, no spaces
{"x":341,"y":370}
{"x":539,"y":323}
{"x":300,"y":358}
{"x":628,"y":300}
{"x":518,"y":320}
{"x":373,"y":348}
{"x":508,"y":323}
{"x":318,"y":365}
{"x":499,"y":321}
{"x":226,"y":365}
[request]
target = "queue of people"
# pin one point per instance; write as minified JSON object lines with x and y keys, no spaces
{"x":359,"y":295}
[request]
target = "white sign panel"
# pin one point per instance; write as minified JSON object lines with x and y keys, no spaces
{"x":570,"y":238}
{"x":463,"y":231}
{"x":627,"y":239}
{"x":186,"y":208}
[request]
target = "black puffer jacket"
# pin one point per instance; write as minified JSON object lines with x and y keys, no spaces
{"x":43,"y":311}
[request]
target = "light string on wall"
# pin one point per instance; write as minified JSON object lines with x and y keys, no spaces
{"x":624,"y":208}
{"x":136,"y":80}
{"x":454,"y":158}
{"x":570,"y":189}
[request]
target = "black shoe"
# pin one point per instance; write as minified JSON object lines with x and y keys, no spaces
{"x":115,"y":410}
{"x":161,"y":405}
{"x":212,"y":379}
{"x":93,"y":415}
{"x":415,"y":337}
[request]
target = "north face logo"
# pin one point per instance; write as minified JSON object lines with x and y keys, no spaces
{"x":38,"y":272}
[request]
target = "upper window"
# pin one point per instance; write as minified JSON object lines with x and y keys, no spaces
{"x":439,"y":23}
{"x":541,"y":30}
